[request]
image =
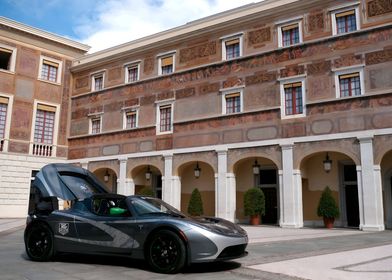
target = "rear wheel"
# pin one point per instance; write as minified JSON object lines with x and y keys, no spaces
{"x":166,"y":252}
{"x":39,"y":242}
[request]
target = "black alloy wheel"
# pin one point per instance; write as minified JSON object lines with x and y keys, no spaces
{"x":166,"y":252}
{"x":39,"y":242}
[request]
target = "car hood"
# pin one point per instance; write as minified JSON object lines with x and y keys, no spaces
{"x":219,"y":225}
{"x":51,"y":182}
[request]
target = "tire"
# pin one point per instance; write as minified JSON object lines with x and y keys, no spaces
{"x":166,"y":252}
{"x":39,"y":242}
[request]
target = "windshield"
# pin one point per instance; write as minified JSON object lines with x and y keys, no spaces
{"x":149,"y":205}
{"x":79,"y":185}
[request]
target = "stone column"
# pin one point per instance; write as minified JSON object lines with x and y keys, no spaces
{"x":129,"y":187}
{"x":290,"y":192}
{"x":223,"y":195}
{"x":369,"y":189}
{"x":122,"y":176}
{"x":176,"y":192}
{"x":167,"y":190}
{"x":84,"y":164}
{"x":231,"y":196}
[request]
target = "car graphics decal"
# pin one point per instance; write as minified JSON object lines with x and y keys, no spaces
{"x":63,"y":228}
{"x":120,"y":239}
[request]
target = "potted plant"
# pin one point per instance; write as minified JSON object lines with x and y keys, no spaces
{"x":146,"y":191}
{"x":328,"y":208}
{"x":195,"y":206}
{"x":254,"y":205}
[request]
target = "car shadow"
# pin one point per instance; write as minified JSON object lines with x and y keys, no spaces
{"x":139,"y":264}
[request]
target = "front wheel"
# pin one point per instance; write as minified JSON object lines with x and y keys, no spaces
{"x":39,"y":242}
{"x":166,"y":252}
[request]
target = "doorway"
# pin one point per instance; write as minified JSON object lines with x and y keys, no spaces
{"x":268,"y":184}
{"x":351,"y":195}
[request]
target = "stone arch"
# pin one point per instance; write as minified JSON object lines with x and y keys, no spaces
{"x":156,"y":161}
{"x":348,"y":147}
{"x":209,"y":158}
{"x":381,"y":148}
{"x":111,"y":164}
{"x":107,"y":176}
{"x":272,"y":153}
{"x":205,"y":184}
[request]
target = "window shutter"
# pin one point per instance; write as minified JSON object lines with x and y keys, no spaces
{"x":3,"y":100}
{"x":46,"y":108}
{"x":54,"y":64}
{"x":232,"y":42}
{"x":166,"y":61}
{"x":347,"y":13}
{"x":289,"y":27}
{"x":298,"y":84}
{"x":347,"y":76}
{"x":5,"y":50}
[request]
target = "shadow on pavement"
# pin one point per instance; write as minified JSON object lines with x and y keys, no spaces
{"x":139,"y":264}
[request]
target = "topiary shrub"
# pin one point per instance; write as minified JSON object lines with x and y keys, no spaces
{"x":146,"y":191}
{"x":327,"y":207}
{"x":254,"y":202}
{"x":195,"y":206}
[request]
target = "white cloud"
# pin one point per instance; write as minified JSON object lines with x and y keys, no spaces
{"x":114,"y":22}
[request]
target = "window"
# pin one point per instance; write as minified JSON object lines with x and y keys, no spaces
{"x":132,"y":73}
{"x":3,"y":116}
{"x":345,"y":20}
{"x":95,"y":125}
{"x":166,"y":65}
{"x":349,"y":82}
{"x":44,"y":124}
{"x":97,"y":82}
{"x":130,"y":119}
{"x":290,"y":35}
{"x":231,"y":47}
{"x":7,"y":61}
{"x":165,"y":118}
{"x":233,"y":103}
{"x":293,"y":97}
{"x":349,"y":85}
{"x":50,"y":70}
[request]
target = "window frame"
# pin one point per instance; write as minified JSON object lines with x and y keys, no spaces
{"x":96,"y":75}
{"x":129,"y":110}
{"x":59,"y":69}
{"x":56,"y":124}
{"x":93,"y":117}
{"x":163,"y":56}
{"x":339,"y":10}
{"x":230,"y":91}
{"x":229,"y":38}
{"x":282,"y":25}
{"x":164,"y":103}
{"x":12,"y":62}
{"x":346,"y":71}
{"x":133,"y":64}
{"x":8,"y":117}
{"x":292,"y":80}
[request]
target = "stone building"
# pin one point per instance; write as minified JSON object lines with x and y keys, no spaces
{"x":290,"y":96}
{"x":34,"y":107}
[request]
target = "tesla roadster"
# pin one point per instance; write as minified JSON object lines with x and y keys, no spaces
{"x":99,"y":222}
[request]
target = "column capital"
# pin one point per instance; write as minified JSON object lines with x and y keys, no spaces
{"x":365,"y":139}
{"x":122,"y":159}
{"x":221,"y":151}
{"x":288,"y":146}
{"x":167,"y":155}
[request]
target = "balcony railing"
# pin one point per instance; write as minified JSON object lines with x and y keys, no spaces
{"x":43,"y":150}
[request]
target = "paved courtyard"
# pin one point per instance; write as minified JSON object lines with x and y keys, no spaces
{"x":274,"y":253}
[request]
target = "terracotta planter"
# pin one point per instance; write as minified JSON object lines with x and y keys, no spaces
{"x":255,"y":220}
{"x":328,"y":222}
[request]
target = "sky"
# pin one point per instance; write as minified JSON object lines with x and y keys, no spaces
{"x":105,"y":23}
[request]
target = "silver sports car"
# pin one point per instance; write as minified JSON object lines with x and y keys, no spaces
{"x":99,"y":222}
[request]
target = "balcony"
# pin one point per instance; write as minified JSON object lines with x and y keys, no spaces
{"x":43,"y":150}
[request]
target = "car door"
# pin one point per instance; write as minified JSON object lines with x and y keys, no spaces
{"x":104,"y":232}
